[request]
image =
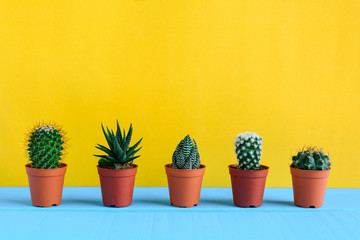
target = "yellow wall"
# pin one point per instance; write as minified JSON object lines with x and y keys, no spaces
{"x":287,"y":70}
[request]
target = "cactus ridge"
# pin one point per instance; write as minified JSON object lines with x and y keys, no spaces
{"x":186,"y":155}
{"x":311,"y":158}
{"x":45,"y":146}
{"x":248,"y":147}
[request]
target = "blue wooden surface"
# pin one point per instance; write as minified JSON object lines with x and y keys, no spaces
{"x":81,"y":215}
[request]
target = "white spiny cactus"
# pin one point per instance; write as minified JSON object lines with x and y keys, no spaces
{"x":248,"y":150}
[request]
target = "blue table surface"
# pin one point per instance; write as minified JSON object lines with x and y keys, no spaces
{"x":81,"y":215}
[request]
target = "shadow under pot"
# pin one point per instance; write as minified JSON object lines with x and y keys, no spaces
{"x":46,"y":185}
{"x":309,"y":187}
{"x":117,"y":186}
{"x":184,"y":185}
{"x":248,"y":185}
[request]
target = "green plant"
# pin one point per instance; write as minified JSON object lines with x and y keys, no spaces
{"x":311,"y":158}
{"x":248,"y":150}
{"x":45,"y":145}
{"x":119,"y":154}
{"x":186,"y":155}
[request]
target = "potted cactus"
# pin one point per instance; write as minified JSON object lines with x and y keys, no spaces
{"x":248,"y":177}
{"x":185,"y":174}
{"x":310,"y":170}
{"x":116,"y":168}
{"x":45,"y":147}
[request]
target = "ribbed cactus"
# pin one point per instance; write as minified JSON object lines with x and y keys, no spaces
{"x":119,"y":154}
{"x":45,"y":146}
{"x":186,"y":155}
{"x":311,"y":158}
{"x":248,"y":150}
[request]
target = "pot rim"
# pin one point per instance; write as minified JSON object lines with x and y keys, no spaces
{"x":62,"y":165}
{"x":311,"y":169}
{"x":232,"y":166}
{"x":185,"y":173}
{"x":40,"y":172}
{"x":176,"y":169}
{"x":235,"y":172}
{"x":117,"y":173}
{"x":304,"y":173}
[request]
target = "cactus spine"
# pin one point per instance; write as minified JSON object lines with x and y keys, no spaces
{"x":45,"y":146}
{"x":248,"y":147}
{"x":186,"y":155}
{"x":311,"y":158}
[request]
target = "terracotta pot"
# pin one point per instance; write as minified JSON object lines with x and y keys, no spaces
{"x":184,"y":185}
{"x":248,"y":185}
{"x":117,"y":186}
{"x":46,"y":185}
{"x":309,"y":187}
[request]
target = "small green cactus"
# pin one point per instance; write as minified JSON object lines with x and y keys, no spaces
{"x":45,"y":146}
{"x":186,"y":155}
{"x":311,"y":158}
{"x":248,"y":150}
{"x":119,"y":154}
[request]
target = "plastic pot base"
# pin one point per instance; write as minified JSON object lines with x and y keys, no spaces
{"x":309,"y":187}
{"x":46,"y":185}
{"x":117,"y":186}
{"x":185,"y":206}
{"x":308,"y":206}
{"x":184,"y":186}
{"x":248,"y":186}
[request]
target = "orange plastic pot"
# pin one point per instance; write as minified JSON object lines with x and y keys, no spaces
{"x":117,"y":186}
{"x":184,"y":185}
{"x":309,"y":187}
{"x":248,"y":185}
{"x":46,"y":185}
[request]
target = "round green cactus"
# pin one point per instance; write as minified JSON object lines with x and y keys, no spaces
{"x":45,"y":146}
{"x":311,"y":158}
{"x":186,"y":155}
{"x":248,"y":150}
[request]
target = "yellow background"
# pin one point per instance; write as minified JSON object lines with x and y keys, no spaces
{"x":287,"y":70}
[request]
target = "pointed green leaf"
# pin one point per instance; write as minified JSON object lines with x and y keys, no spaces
{"x":106,"y":150}
{"x":109,"y":133}
{"x":128,"y":138}
{"x":117,"y":149}
{"x":133,"y":152}
{"x":111,"y":159}
{"x":131,"y":159}
{"x":187,"y":146}
{"x":117,"y":165}
{"x":180,"y":159}
{"x":118,"y":133}
{"x":108,"y":139}
{"x":122,"y":157}
{"x":104,"y":161}
{"x":135,"y":146}
{"x":124,"y":138}
{"x":176,"y":154}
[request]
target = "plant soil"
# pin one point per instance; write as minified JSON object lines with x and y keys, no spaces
{"x":260,"y":168}
{"x":126,"y":166}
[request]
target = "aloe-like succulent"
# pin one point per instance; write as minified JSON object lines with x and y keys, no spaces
{"x":186,"y":155}
{"x":45,"y":145}
{"x":119,"y":154}
{"x":311,"y":158}
{"x":248,"y":150}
